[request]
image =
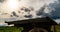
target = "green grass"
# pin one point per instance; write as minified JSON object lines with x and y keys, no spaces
{"x":16,"y":29}
{"x":11,"y":29}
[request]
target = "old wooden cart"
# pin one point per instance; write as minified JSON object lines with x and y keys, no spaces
{"x":35,"y":25}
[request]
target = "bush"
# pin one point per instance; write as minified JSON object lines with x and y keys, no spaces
{"x":11,"y":29}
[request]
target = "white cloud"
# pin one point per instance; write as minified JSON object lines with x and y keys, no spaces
{"x":57,"y":20}
{"x":6,"y":10}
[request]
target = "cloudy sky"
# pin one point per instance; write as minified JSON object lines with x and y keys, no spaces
{"x":26,"y":9}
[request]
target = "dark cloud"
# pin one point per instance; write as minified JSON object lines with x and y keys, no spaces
{"x":55,"y":14}
{"x":40,"y":12}
{"x":28,"y":16}
{"x":2,"y":1}
{"x":27,"y":9}
{"x":14,"y":14}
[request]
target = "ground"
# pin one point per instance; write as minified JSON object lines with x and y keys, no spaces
{"x":16,"y":29}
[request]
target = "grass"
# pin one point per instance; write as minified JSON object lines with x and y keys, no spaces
{"x":11,"y":29}
{"x":16,"y":29}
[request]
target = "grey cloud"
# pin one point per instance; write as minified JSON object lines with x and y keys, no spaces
{"x":40,"y":12}
{"x":2,"y":1}
{"x":28,"y":16}
{"x":14,"y":14}
{"x":55,"y":14}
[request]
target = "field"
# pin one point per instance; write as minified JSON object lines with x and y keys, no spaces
{"x":16,"y":29}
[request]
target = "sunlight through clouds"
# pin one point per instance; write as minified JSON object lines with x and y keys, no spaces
{"x":22,"y":9}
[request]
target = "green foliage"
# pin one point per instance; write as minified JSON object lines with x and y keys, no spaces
{"x":11,"y":29}
{"x":19,"y":29}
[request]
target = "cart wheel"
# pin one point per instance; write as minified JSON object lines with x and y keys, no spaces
{"x":38,"y":30}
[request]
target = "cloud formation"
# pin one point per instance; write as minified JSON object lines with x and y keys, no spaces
{"x":26,"y":8}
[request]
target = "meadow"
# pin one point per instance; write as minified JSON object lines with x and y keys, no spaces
{"x":19,"y":29}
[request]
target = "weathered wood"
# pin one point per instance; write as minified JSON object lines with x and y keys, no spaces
{"x":46,"y":19}
{"x":29,"y":24}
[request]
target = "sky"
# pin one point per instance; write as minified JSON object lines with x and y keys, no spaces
{"x":27,"y":9}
